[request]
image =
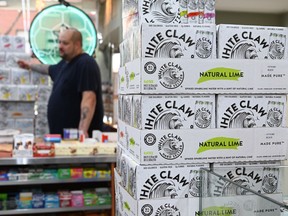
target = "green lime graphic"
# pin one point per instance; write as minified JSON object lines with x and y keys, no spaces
{"x":45,"y":28}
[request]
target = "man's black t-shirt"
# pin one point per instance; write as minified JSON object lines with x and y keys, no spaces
{"x":69,"y":81}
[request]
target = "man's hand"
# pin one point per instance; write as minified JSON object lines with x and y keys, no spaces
{"x":24,"y":64}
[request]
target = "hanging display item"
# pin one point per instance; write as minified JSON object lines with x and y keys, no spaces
{"x":46,"y":26}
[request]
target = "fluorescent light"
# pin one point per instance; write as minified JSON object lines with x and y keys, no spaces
{"x":3,"y":3}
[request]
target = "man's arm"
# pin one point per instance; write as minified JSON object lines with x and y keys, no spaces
{"x":40,"y":68}
{"x":88,"y":105}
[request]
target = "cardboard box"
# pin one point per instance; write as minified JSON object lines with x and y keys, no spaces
{"x":27,"y":93}
{"x":199,"y":11}
{"x":127,"y":109}
{"x":246,"y":111}
{"x":203,"y":146}
{"x":25,"y":125}
{"x":66,"y":149}
{"x":13,"y":57}
{"x":20,"y":76}
{"x":134,"y":13}
{"x":252,"y":42}
{"x":6,"y":43}
{"x":171,"y":41}
{"x":39,"y":79}
{"x":5,"y":75}
{"x":162,"y":112}
{"x":216,"y":76}
{"x":8,"y":92}
{"x":133,"y":207}
{"x":263,"y":178}
{"x":158,"y":181}
{"x":151,"y":11}
{"x":43,"y":150}
{"x":18,"y":44}
{"x":247,"y":205}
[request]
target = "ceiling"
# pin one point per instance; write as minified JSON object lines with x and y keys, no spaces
{"x":254,"y":6}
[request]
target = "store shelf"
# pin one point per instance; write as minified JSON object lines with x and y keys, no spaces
{"x":101,"y":158}
{"x":53,"y":181}
{"x":54,"y":210}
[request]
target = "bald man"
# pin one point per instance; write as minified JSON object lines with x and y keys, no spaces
{"x":76,"y":98}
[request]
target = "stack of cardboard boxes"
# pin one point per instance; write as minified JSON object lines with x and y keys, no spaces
{"x":182,"y":109}
{"x":19,"y":89}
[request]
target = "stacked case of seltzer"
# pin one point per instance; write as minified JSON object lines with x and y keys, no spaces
{"x":181,"y":109}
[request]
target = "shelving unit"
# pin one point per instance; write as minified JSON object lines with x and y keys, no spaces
{"x":69,"y":161}
{"x":54,"y":210}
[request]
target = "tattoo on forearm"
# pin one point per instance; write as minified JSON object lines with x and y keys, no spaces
{"x":84,"y":113}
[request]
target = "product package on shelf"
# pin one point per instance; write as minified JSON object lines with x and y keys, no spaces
{"x":10,"y":43}
{"x":156,"y":206}
{"x":158,"y":181}
{"x":170,"y":41}
{"x":252,"y":42}
{"x":23,"y":145}
{"x":250,"y":205}
{"x":246,"y":111}
{"x":5,"y":75}
{"x":260,"y":177}
{"x":166,"y":12}
{"x":17,"y":110}
{"x":20,"y":76}
{"x":162,"y":112}
{"x":199,"y":76}
{"x":203,"y":146}
{"x":9,"y":92}
{"x":6,"y":142}
{"x":148,"y":11}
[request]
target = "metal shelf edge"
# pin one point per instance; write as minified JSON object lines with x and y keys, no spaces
{"x":53,"y":210}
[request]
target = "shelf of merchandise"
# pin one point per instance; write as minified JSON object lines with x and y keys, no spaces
{"x":68,"y":160}
{"x":101,"y":158}
{"x":54,"y":181}
{"x":54,"y":210}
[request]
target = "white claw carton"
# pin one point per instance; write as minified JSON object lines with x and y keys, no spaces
{"x":199,"y":76}
{"x":6,"y":43}
{"x":201,"y":11}
{"x":261,"y":177}
{"x":171,"y":41}
{"x":246,"y":111}
{"x":9,"y":92}
{"x":150,"y":11}
{"x":135,"y":12}
{"x":248,"y":205}
{"x":163,"y":112}
{"x":203,"y":146}
{"x":158,"y":181}
{"x":133,"y":207}
{"x":252,"y":42}
{"x":178,"y":41}
{"x":5,"y":75}
{"x":20,"y":76}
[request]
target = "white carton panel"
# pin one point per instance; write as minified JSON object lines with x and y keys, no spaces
{"x":160,"y":181}
{"x":263,"y":178}
{"x":246,"y":111}
{"x":248,"y":205}
{"x":170,"y":41}
{"x":204,"y":146}
{"x":216,"y":76}
{"x":162,"y":112}
{"x":252,"y":42}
